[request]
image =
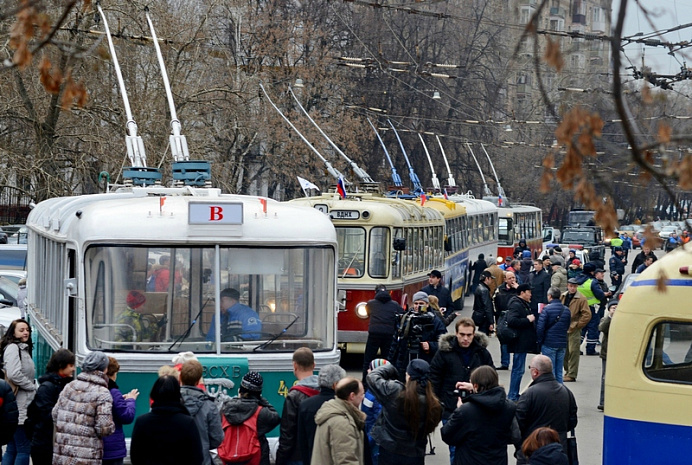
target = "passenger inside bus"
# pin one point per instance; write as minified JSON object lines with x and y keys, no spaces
{"x":134,"y":325}
{"x":238,"y":321}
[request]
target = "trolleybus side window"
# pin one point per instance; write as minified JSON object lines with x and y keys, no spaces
{"x":351,"y":251}
{"x":669,"y":353}
{"x":379,"y":251}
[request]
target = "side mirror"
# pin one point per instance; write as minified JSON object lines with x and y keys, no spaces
{"x":399,"y":243}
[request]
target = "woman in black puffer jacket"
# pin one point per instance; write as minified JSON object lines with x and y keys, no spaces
{"x":410,"y":412}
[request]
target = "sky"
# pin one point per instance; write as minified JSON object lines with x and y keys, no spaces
{"x":665,"y":14}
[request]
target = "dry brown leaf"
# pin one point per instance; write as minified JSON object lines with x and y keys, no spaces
{"x":685,"y":173}
{"x":586,"y":193}
{"x":553,"y":56}
{"x":22,"y":55}
{"x":664,"y":133}
{"x":51,"y":79}
{"x":662,"y":281}
{"x":607,"y":217}
{"x":651,"y":237}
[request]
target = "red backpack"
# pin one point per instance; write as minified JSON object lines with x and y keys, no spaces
{"x":240,"y":442}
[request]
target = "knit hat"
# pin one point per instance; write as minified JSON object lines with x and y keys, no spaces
{"x":526,"y":254}
{"x":420,"y":295}
{"x":135,"y":299}
{"x":252,"y":381}
{"x":523,"y":288}
{"x":589,"y":268}
{"x":418,"y":370}
{"x":183,"y":357}
{"x":95,"y":361}
{"x":378,"y":362}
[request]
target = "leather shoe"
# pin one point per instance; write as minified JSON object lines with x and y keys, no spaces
{"x":502,"y":368}
{"x":568,"y":379}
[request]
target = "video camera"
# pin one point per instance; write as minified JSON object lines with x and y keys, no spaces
{"x":413,"y":327}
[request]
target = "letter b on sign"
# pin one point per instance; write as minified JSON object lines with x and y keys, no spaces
{"x":215,"y":213}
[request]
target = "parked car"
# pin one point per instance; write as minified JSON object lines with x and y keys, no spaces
{"x":629,"y":279}
{"x":13,"y":275}
{"x":13,"y":257}
{"x":16,"y":233}
{"x":9,"y":290}
{"x":8,"y":314}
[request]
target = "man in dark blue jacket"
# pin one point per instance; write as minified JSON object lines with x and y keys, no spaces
{"x":617,"y":266}
{"x":384,"y":314}
{"x":551,"y":331}
{"x":483,"y":311}
{"x":521,"y":319}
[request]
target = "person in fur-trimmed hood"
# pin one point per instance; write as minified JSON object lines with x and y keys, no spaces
{"x":457,"y":355}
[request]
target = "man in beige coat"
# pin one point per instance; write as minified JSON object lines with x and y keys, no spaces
{"x":581,"y":315}
{"x":339,"y":439}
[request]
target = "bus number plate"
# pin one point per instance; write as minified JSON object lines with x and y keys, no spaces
{"x":344,"y":214}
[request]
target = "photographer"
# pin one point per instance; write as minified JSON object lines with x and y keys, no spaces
{"x":484,"y":424}
{"x":417,"y":335}
{"x":451,"y":367}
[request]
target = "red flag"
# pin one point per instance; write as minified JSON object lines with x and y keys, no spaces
{"x":162,"y":200}
{"x":423,"y":198}
{"x":264,"y":205}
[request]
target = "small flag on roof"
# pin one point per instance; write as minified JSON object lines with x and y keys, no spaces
{"x":423,"y":198}
{"x":340,"y":187}
{"x":305,"y":184}
{"x":499,"y":200}
{"x":444,"y":193}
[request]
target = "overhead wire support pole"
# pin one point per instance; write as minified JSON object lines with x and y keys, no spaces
{"x":435,"y":181}
{"x":135,"y":145}
{"x":178,"y":142}
{"x":412,"y":174}
{"x":500,"y":190}
{"x":486,"y":189}
{"x":450,"y":178}
{"x":396,"y":179}
{"x":362,"y":175}
{"x":333,"y":171}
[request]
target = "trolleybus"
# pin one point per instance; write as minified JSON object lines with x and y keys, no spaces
{"x":381,"y":241}
{"x":648,"y":384}
{"x":519,"y":222}
{"x":88,"y":253}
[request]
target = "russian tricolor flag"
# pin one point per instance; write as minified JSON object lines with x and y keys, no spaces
{"x":341,"y":188}
{"x":499,"y":200}
{"x":444,"y":193}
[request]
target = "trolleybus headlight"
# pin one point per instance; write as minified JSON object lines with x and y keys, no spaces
{"x":361,"y":310}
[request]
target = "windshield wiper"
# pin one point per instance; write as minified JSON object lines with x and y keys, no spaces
{"x":283,"y":331}
{"x":187,"y":332}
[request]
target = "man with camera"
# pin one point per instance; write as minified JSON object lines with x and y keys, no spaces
{"x":384,"y":315}
{"x":450,"y":370}
{"x":417,"y":335}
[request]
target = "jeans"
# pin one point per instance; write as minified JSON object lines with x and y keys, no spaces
{"x":18,"y":450}
{"x":452,"y":449}
{"x":504,"y":355}
{"x":518,"y":368}
{"x":375,"y":342}
{"x":557,"y":356}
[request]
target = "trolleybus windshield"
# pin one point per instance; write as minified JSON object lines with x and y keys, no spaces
{"x":163,"y":299}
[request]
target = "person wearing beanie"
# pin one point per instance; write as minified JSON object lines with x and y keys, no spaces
{"x":372,"y":408}
{"x":417,"y":336}
{"x":437,"y":288}
{"x":328,"y":378}
{"x":410,"y":412}
{"x":238,"y":410}
{"x":384,"y":315}
{"x":79,"y":431}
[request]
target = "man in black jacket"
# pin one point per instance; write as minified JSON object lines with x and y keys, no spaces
{"x":641,"y":257}
{"x":9,"y":414}
{"x":437,"y":288}
{"x":384,"y":314}
{"x":483,"y":305}
{"x":327,"y":379}
{"x":539,"y":279}
{"x":457,"y":356}
{"x":545,"y":403}
{"x":521,"y":319}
